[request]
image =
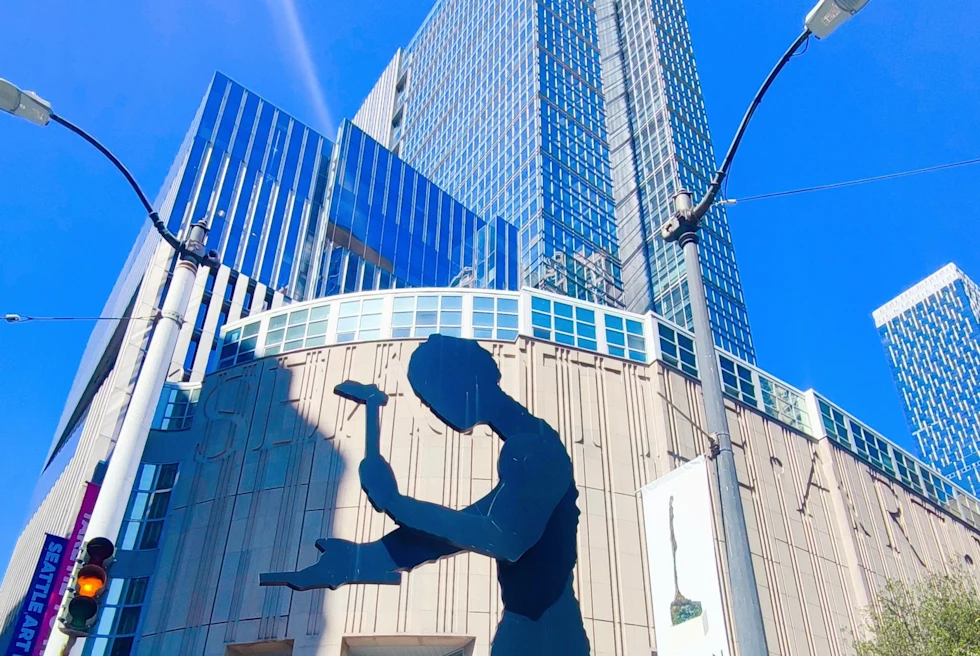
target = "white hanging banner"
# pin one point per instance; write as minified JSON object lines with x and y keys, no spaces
{"x":688,"y":615}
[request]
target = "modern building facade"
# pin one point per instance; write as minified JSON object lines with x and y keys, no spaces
{"x":293,"y":216}
{"x":931,"y":334}
{"x":265,"y":462}
{"x":576,"y":121}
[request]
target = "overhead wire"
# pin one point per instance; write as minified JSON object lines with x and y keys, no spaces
{"x":850,"y":183}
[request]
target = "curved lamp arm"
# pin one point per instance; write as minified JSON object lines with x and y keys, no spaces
{"x":709,"y":198}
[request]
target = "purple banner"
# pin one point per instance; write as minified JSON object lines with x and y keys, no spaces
{"x":44,"y":584}
{"x":67,"y":565}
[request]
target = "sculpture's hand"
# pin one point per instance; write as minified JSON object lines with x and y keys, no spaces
{"x":361,"y":392}
{"x":338,"y":565}
{"x":378,"y":482}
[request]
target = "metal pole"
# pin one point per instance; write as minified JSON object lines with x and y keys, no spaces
{"x":683,"y":228}
{"x":746,"y":608}
{"x":124,"y":462}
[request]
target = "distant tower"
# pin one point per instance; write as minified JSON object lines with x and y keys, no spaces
{"x":932,"y":336}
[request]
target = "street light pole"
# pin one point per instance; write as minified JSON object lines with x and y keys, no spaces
{"x":120,"y":475}
{"x":683,"y":228}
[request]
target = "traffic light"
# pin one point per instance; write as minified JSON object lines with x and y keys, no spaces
{"x":87,"y":586}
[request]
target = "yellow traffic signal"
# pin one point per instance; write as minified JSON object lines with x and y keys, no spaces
{"x":86,"y":588}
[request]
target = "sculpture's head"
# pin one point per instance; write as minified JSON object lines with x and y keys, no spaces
{"x":457,"y":379}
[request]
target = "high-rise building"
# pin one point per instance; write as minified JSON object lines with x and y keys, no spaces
{"x":577,"y":121}
{"x":931,"y":333}
{"x":292,"y":217}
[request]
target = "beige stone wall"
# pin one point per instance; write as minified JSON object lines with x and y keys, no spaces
{"x":276,"y":467}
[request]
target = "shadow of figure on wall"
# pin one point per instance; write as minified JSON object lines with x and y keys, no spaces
{"x":528,"y":522}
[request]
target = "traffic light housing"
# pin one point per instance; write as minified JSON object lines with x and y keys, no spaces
{"x":87,"y":586}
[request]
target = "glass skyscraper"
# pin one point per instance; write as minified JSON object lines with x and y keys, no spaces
{"x":931,"y":334}
{"x":387,"y":226}
{"x":576,"y":121}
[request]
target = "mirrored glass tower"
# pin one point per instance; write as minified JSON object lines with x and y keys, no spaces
{"x":576,"y":121}
{"x":931,"y":334}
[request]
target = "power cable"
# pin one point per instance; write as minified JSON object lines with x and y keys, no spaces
{"x":850,"y":183}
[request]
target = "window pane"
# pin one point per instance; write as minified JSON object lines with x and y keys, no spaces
{"x":564,"y":325}
{"x":159,"y":505}
{"x":452,"y":302}
{"x":634,"y":327}
{"x":128,"y":618}
{"x":483,"y":319}
{"x":542,"y":304}
{"x":136,"y":591}
{"x":296,"y":332}
{"x":146,"y":478}
{"x":104,"y":627}
{"x":428,"y":303}
{"x":114,"y":593}
{"x":369,"y":334}
{"x":346,"y":324}
{"x":542,"y":320}
{"x":272,"y":337}
{"x":563,"y":310}
{"x":317,"y":328}
{"x":614,"y":337}
{"x":404,"y":303}
{"x":507,"y":305}
{"x":373,"y":306}
{"x":507,"y":334}
{"x":614,"y":322}
{"x":402,"y":319}
{"x":427,"y":318}
{"x":507,"y":320}
{"x":483,"y":333}
{"x":582,"y":314}
{"x":319,"y":340}
{"x":452,"y":318}
{"x":151,"y":535}
{"x":401,"y":332}
{"x":482,"y":303}
{"x":319,"y":313}
{"x":132,"y":529}
{"x":370,"y":321}
{"x":122,"y":646}
{"x":350,"y":308}
{"x":139,"y":506}
{"x":251,"y":329}
{"x":277,"y":322}
{"x":298,"y":317}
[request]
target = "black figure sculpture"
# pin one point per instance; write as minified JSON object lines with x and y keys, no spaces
{"x":527,"y":522}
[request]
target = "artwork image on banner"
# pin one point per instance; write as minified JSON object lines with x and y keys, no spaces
{"x":689,"y":619}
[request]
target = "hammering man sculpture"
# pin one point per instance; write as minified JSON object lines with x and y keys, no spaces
{"x":527,"y":522}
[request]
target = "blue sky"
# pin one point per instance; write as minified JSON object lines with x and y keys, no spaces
{"x":895,"y":89}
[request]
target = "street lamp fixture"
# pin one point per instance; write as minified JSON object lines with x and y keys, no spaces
{"x":828,"y":15}
{"x":683,"y":227}
{"x":25,"y":104}
{"x":107,"y":516}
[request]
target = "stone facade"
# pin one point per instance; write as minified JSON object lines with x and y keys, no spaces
{"x":270,"y":465}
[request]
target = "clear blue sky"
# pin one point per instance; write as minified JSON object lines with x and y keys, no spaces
{"x":897,"y":88}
